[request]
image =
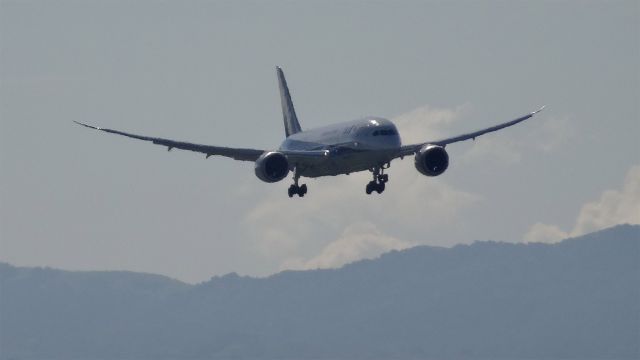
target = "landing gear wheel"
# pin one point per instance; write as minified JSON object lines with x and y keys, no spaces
{"x":370,"y":187}
{"x":297,"y":190}
{"x":379,"y":180}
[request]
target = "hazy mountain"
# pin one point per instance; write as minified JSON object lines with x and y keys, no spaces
{"x":576,"y":299}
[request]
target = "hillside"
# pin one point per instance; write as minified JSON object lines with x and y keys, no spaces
{"x":576,"y":299}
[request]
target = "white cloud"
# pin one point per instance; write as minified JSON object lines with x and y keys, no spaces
{"x":427,"y":123}
{"x":545,"y":233}
{"x":499,"y":148}
{"x":292,"y":228}
{"x":548,"y":135}
{"x":554,"y":133}
{"x":358,"y":241}
{"x":614,"y":207}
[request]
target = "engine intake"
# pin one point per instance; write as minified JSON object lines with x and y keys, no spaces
{"x":272,"y":167}
{"x":432,"y":160}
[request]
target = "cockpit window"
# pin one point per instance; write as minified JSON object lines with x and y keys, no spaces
{"x":384,"y":132}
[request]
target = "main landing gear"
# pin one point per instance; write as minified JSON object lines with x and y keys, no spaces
{"x":295,"y":189}
{"x":378,"y":182}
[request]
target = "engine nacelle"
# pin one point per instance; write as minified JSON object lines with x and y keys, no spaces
{"x":272,"y":167}
{"x":432,"y":160}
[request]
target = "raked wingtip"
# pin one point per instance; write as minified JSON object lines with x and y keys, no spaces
{"x":86,"y":125}
{"x":537,"y":111}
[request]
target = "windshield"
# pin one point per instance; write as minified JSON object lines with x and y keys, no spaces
{"x":384,"y":132}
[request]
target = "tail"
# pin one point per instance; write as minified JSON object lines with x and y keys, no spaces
{"x":291,"y":124}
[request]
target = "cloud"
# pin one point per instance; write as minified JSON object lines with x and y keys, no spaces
{"x":358,"y":241}
{"x":500,"y":148}
{"x":550,"y":134}
{"x":287,"y":228}
{"x":614,"y":207}
{"x":554,"y":133}
{"x":427,"y":123}
{"x":337,"y":222}
{"x":545,"y":233}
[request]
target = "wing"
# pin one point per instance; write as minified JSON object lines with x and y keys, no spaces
{"x":234,"y":153}
{"x":412,"y":149}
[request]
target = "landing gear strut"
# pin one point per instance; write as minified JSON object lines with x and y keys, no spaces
{"x":378,"y":182}
{"x":294,"y":188}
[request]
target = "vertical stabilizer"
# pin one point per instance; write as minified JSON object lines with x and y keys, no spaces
{"x":291,"y":124}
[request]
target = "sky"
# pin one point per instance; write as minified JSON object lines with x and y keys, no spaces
{"x":204,"y":72}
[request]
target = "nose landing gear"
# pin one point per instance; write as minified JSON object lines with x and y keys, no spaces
{"x":378,"y":182}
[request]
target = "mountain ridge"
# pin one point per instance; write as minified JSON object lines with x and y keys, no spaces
{"x":575,"y":299}
{"x":4,"y":265}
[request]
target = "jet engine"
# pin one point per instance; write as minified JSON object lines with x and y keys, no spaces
{"x":272,"y":167}
{"x":432,"y":160}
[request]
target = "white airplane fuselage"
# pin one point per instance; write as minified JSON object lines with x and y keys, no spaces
{"x":352,"y":146}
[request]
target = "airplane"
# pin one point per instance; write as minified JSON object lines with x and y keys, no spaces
{"x":370,"y":143}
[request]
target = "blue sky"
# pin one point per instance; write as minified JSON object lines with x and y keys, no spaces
{"x":205,"y":72}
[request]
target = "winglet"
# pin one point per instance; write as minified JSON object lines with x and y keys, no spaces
{"x":537,"y":111}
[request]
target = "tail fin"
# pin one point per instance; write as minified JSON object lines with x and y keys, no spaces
{"x":291,"y":124}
